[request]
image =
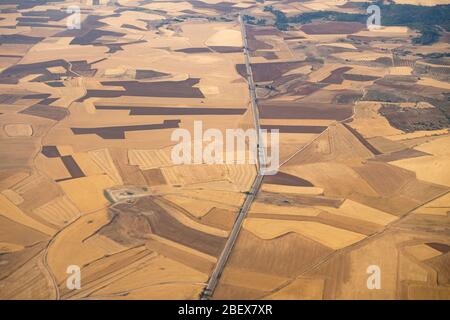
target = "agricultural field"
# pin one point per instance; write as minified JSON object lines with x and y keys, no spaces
{"x":363,"y":129}
{"x":87,"y":176}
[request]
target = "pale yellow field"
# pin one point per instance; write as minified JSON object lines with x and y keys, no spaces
{"x":58,"y":212}
{"x":184,"y":219}
{"x":368,"y":122}
{"x":437,"y":147}
{"x":161,"y":271}
{"x":365,"y":70}
{"x":331,"y":237}
{"x":13,"y":196}
{"x":361,"y":56}
{"x":422,"y":252}
{"x":300,"y":70}
{"x":340,"y":45}
{"x":434,"y":83}
{"x":170,"y":7}
{"x":87,"y":165}
{"x":103,"y":159}
{"x":438,"y":207}
{"x":317,"y":6}
{"x":105,"y":243}
{"x":241,"y":175}
{"x":149,"y":159}
{"x":258,"y":207}
{"x":434,"y":169}
{"x":10,"y":211}
{"x":87,"y":192}
{"x":18,"y":130}
{"x":390,"y":29}
{"x":215,"y":186}
{"x":69,"y":247}
{"x":219,"y":196}
{"x":347,"y":85}
{"x":400,"y":71}
{"x":227,"y":37}
{"x":53,"y":167}
{"x":133,"y":18}
{"x":193,"y":206}
{"x":291,"y":189}
{"x":65,"y":150}
{"x":417,"y":134}
{"x":192,"y":174}
{"x":243,"y":5}
{"x":359,"y":211}
{"x":330,"y":175}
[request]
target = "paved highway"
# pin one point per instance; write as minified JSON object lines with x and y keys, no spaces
{"x":261,"y":160}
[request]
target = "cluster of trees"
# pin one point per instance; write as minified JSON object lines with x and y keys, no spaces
{"x":281,"y":21}
{"x":252,"y":20}
{"x":427,"y":20}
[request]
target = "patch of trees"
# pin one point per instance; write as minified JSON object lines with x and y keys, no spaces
{"x":252,"y":20}
{"x":281,"y":20}
{"x":429,"y":21}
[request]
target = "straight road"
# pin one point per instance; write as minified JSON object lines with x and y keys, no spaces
{"x":261,"y":160}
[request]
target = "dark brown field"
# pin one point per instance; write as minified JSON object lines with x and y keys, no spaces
{"x":172,"y":89}
{"x":50,"y":152}
{"x":362,"y":140}
{"x":295,"y":129}
{"x":119,"y":131}
{"x":280,"y":110}
{"x":154,"y":177}
{"x":336,"y":76}
{"x":73,"y":168}
{"x":333,"y":28}
{"x":46,"y":111}
{"x":132,"y":224}
{"x":290,"y":199}
{"x":193,"y":50}
{"x":412,"y":119}
{"x":141,"y":111}
{"x":399,"y":155}
{"x":223,"y":49}
{"x":269,"y":71}
{"x":359,"y":77}
{"x":287,"y":179}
